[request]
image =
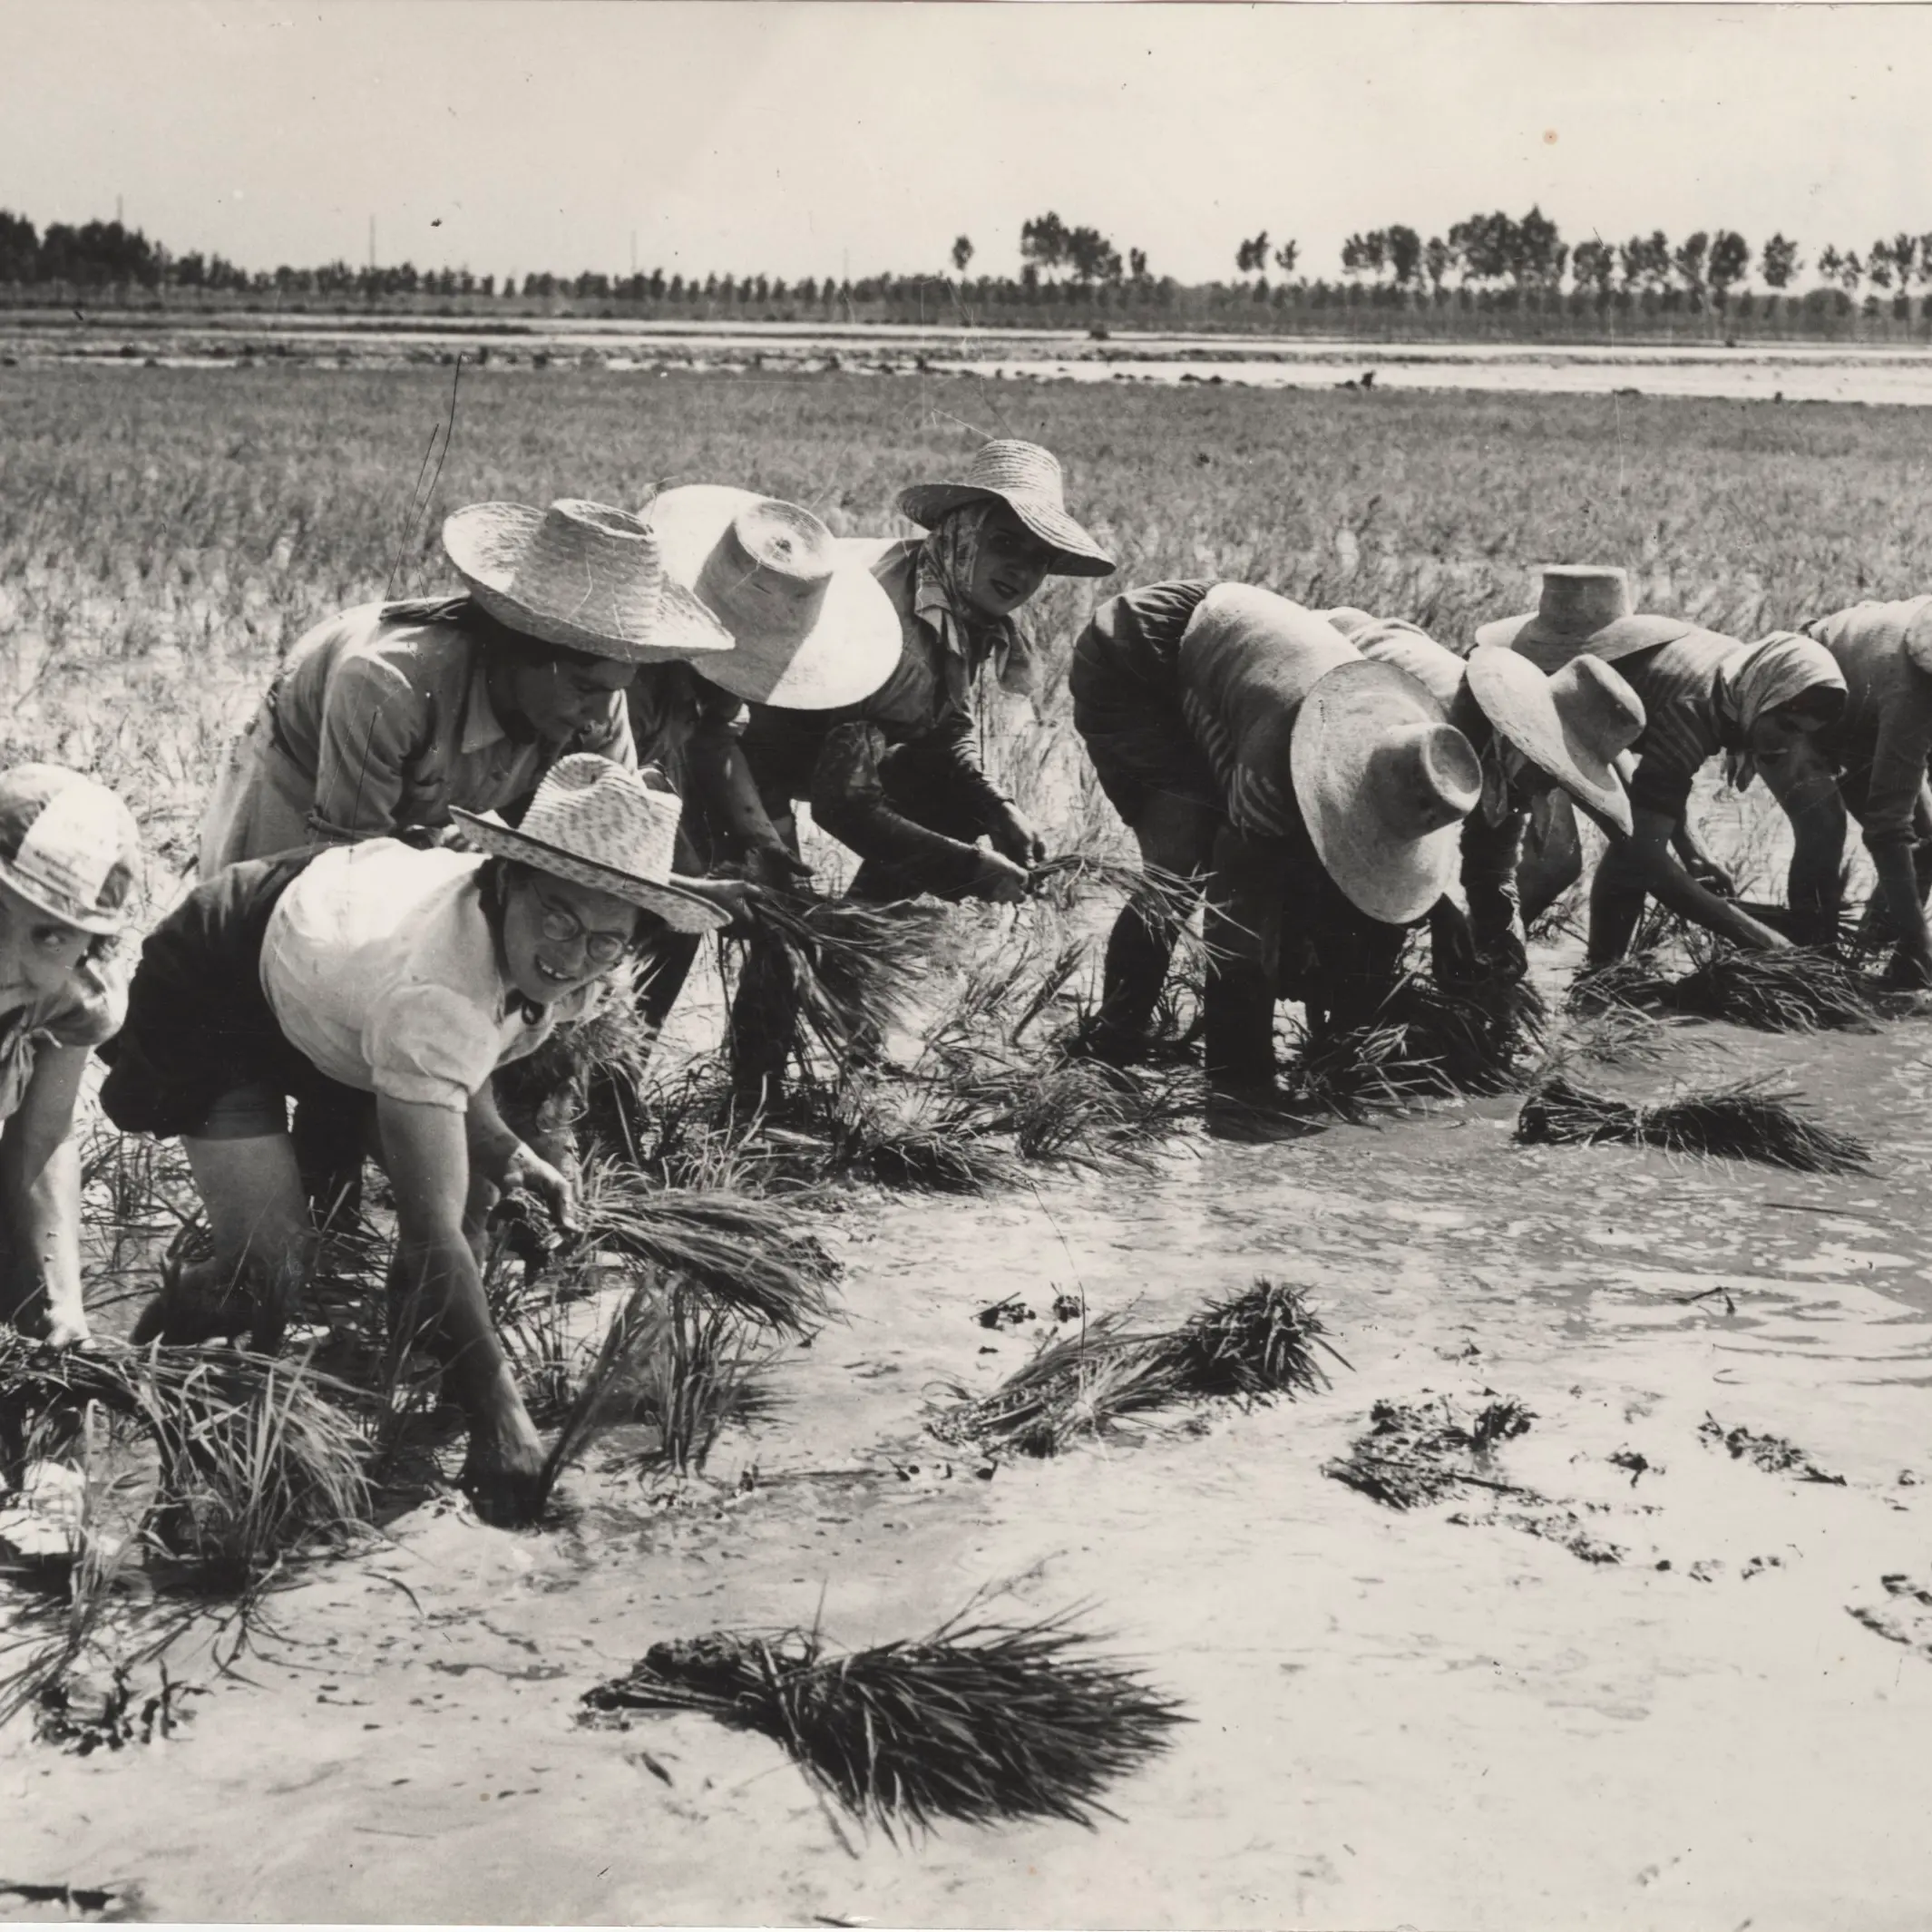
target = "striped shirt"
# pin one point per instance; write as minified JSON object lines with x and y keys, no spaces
{"x":1881,"y":743}
{"x":1678,"y":684}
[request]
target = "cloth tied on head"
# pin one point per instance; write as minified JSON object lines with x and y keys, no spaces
{"x":1756,"y":678}
{"x":947,"y":560}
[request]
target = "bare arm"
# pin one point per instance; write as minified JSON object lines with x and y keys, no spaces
{"x":426,"y":1152}
{"x":1671,"y":885}
{"x":40,"y":1191}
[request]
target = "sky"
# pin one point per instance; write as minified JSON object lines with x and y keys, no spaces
{"x":809,"y":137}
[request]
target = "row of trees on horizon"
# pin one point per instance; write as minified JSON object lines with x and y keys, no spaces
{"x":1489,"y":254}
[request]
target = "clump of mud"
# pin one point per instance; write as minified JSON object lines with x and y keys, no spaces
{"x":1409,"y":1456}
{"x":1775,"y":1455}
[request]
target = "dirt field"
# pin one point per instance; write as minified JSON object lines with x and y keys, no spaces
{"x":1646,"y":1682}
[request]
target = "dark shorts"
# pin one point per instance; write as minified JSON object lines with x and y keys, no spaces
{"x":1127,"y":707}
{"x":201,"y":1053}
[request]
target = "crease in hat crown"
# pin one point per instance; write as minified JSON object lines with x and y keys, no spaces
{"x":601,"y":824}
{"x":1027,"y":479}
{"x":596,"y":809}
{"x":812,"y":627}
{"x":584,"y":575}
{"x":69,"y":847}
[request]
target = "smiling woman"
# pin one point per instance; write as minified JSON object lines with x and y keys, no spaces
{"x":382,"y":986}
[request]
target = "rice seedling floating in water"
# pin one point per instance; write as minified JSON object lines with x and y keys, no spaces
{"x":1749,"y":1121}
{"x":1409,"y":1457}
{"x":1075,"y":1387}
{"x":1259,"y":1343}
{"x":980,"y":1722}
{"x":753,"y":1256}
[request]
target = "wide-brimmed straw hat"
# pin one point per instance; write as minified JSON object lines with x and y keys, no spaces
{"x":1027,"y":479}
{"x":583,"y":575}
{"x":1577,"y":603}
{"x":1383,"y":783}
{"x":1570,"y":724}
{"x":596,"y":823}
{"x":69,"y":847}
{"x":812,"y":625}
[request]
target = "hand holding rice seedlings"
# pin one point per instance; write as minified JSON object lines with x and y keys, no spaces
{"x":1749,"y":1121}
{"x":981,"y":1722}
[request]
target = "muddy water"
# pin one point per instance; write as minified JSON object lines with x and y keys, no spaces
{"x":1439,"y":1718}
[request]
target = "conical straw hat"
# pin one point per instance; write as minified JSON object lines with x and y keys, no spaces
{"x":1384,"y":785}
{"x":1027,"y":479}
{"x":812,"y":625}
{"x":596,"y":823}
{"x":579,"y":574}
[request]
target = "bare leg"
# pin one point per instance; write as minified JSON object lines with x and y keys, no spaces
{"x":1552,"y":860}
{"x":1616,"y":904}
{"x":264,"y":1246}
{"x":1176,"y":837}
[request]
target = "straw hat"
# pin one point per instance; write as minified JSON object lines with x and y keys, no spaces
{"x":1383,"y":784}
{"x":1027,"y":479}
{"x":1577,"y":602}
{"x":596,"y":823}
{"x":69,"y":847}
{"x":813,"y":627}
{"x":579,"y":574}
{"x":1570,"y":724}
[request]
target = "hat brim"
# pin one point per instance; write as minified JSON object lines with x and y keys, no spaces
{"x":850,"y":651}
{"x":1515,"y":698}
{"x":1624,"y":637}
{"x":1077,"y":553}
{"x":486,"y":541}
{"x":1393,"y":880}
{"x":682,"y":910}
{"x":102,"y":924}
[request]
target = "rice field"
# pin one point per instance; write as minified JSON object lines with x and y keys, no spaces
{"x":805,"y":1419}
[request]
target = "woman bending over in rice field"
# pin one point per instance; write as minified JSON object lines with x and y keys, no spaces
{"x":1317,"y":798}
{"x":70,"y":858}
{"x":384,"y":984}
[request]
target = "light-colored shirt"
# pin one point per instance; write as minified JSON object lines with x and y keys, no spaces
{"x":378,"y":723}
{"x":88,"y":1009}
{"x":379,"y":966}
{"x":1881,"y":743}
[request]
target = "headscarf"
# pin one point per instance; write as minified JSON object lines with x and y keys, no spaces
{"x":947,"y":560}
{"x":1757,"y":679}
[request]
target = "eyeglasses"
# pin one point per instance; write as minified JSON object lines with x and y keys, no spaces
{"x":562,"y":928}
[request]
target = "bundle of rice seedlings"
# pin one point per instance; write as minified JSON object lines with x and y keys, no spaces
{"x":1075,"y":1387}
{"x":844,"y":971}
{"x":1351,"y":1072}
{"x":1798,"y":990}
{"x":748,"y":1254}
{"x":1259,"y":1343}
{"x":981,"y":1722}
{"x":1749,"y":1121}
{"x":1409,"y":1457}
{"x":257,"y":1456}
